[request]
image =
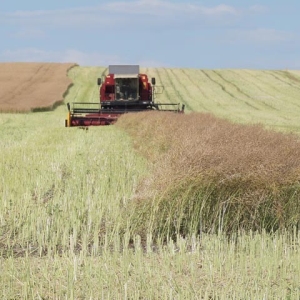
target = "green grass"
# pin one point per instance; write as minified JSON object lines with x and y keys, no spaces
{"x":63,"y":231}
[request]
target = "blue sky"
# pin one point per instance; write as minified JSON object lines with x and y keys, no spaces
{"x":155,"y":33}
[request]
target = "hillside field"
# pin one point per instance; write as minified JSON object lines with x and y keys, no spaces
{"x":66,"y":214}
{"x":246,"y":96}
{"x":27,"y":86}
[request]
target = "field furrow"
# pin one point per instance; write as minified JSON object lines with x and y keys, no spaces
{"x":196,"y":89}
{"x":287,"y":78}
{"x":252,"y":87}
{"x":281,"y":92}
{"x":205,"y":91}
{"x":165,"y":96}
{"x":230,"y":89}
{"x":276,"y":94}
{"x":175,"y":93}
{"x":182,"y":84}
{"x":244,"y":96}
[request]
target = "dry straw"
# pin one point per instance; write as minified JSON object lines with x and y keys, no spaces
{"x":210,"y":174}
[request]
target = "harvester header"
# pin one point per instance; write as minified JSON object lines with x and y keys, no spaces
{"x":124,"y":89}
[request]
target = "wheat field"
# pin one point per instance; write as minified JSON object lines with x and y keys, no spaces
{"x":66,"y":214}
{"x":33,"y":86}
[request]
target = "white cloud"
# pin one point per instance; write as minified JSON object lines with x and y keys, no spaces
{"x":74,"y":56}
{"x":122,"y":12}
{"x":261,"y":35}
{"x":220,"y":10}
{"x":257,"y":9}
{"x":165,"y":8}
{"x":29,"y":33}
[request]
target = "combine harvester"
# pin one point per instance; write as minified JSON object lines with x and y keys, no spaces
{"x":123,"y":90}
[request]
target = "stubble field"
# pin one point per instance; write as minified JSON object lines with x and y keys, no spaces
{"x":70,"y":209}
{"x":27,"y":86}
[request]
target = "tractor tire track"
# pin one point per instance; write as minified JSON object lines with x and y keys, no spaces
{"x":168,"y":77}
{"x":251,"y":82}
{"x":280,"y":91}
{"x":245,"y":94}
{"x":274,"y":87}
{"x":188,"y":93}
{"x":288,"y":82}
{"x":195,"y":83}
{"x":292,"y":76}
{"x":168,"y":96}
{"x":227,"y":92}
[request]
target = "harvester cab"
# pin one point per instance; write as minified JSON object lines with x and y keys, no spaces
{"x":124,"y":89}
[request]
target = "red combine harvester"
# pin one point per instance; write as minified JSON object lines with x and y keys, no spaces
{"x":123,"y":90}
